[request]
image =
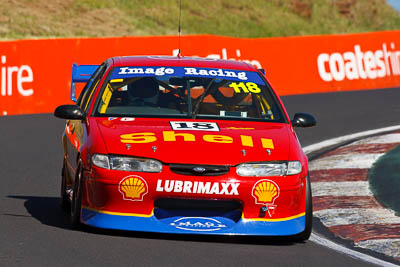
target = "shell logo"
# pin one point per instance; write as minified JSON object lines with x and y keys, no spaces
{"x":133,"y":188}
{"x":265,"y":192}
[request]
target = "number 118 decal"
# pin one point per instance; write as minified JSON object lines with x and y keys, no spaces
{"x":194,"y":126}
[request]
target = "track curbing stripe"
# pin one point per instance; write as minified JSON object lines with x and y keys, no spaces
{"x":390,"y":246}
{"x":334,"y":217}
{"x":347,"y":161}
{"x":357,"y":188}
{"x":323,"y":241}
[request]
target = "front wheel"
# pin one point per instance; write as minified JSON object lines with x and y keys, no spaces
{"x":305,"y":235}
{"x":64,"y":202}
{"x":76,"y":203}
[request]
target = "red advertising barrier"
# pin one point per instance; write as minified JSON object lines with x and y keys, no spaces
{"x":35,"y":74}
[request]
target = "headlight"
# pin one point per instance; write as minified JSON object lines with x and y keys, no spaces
{"x":101,"y":161}
{"x":269,"y":169}
{"x":294,"y":167}
{"x":126,"y":163}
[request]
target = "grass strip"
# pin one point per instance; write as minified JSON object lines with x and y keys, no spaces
{"x":239,"y":18}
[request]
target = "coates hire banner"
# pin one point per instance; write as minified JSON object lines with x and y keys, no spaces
{"x":35,"y":75}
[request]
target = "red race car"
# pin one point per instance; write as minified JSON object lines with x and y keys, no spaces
{"x":183,"y":145}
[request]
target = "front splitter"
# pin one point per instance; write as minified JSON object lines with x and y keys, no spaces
{"x":195,"y":225}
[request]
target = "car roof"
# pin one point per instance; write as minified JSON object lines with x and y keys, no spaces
{"x":175,"y":61}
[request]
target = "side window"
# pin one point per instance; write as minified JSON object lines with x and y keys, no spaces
{"x":88,"y":90}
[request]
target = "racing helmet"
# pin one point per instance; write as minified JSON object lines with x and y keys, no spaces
{"x":145,"y":89}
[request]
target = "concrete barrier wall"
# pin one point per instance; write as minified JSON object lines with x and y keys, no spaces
{"x":35,"y":74}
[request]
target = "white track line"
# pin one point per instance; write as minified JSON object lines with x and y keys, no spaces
{"x":384,"y":139}
{"x":346,"y":138}
{"x":325,"y":242}
{"x":352,"y":253}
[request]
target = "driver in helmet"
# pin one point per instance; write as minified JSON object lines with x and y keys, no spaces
{"x":144,"y":92}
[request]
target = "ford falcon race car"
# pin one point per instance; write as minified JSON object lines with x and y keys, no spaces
{"x":183,"y":145}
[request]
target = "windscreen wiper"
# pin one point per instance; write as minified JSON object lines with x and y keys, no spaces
{"x":203,"y":95}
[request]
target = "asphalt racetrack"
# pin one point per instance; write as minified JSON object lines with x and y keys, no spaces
{"x":35,"y":232}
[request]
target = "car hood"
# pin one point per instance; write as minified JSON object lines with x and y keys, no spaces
{"x":230,"y":142}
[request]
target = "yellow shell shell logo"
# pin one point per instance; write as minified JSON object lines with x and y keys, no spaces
{"x":265,"y":192}
{"x":133,"y":188}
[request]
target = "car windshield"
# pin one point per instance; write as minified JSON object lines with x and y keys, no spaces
{"x":187,"y":92}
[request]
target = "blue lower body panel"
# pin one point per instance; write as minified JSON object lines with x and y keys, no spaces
{"x":193,"y":224}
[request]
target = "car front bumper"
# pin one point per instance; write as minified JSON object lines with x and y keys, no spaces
{"x":108,"y":203}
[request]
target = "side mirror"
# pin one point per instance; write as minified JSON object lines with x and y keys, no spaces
{"x":69,"y":112}
{"x":303,"y":120}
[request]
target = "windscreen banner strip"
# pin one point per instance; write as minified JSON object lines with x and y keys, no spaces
{"x":235,"y":75}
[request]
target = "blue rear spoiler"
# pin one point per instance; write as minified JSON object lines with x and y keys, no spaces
{"x":81,"y":74}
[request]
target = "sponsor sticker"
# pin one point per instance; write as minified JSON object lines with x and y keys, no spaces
{"x":127,"y":119}
{"x":194,"y":126}
{"x":133,"y":188}
{"x":248,"y":87}
{"x":202,"y":224}
{"x":265,"y":192}
{"x":171,"y":136}
{"x":220,"y":73}
{"x":235,"y":75}
{"x":189,"y":187}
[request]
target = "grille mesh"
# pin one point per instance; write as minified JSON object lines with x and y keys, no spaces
{"x":199,"y":170}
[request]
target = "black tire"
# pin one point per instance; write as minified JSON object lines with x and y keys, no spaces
{"x":305,"y":235}
{"x":64,"y":202}
{"x":76,"y":202}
